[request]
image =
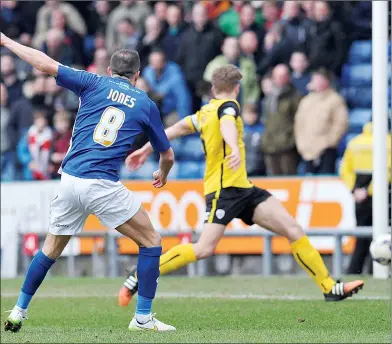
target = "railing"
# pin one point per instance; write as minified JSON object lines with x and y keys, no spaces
{"x":112,"y":256}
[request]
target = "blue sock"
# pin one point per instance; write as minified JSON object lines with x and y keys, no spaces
{"x":36,"y":273}
{"x":147,"y":275}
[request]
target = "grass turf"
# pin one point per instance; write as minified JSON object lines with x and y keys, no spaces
{"x":204,"y":310}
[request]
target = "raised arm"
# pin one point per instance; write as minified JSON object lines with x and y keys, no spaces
{"x":36,"y":58}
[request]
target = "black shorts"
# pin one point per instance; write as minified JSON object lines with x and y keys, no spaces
{"x":230,"y":203}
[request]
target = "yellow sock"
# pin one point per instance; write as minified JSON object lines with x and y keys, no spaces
{"x":176,"y":258}
{"x":310,"y":260}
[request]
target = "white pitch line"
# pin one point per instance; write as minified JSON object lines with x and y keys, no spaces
{"x":174,"y":295}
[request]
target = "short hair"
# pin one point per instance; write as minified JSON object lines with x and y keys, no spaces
{"x":125,"y":62}
{"x":128,"y":21}
{"x":226,"y":78}
{"x":324,"y":72}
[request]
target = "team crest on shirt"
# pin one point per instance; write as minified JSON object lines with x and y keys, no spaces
{"x":220,"y":214}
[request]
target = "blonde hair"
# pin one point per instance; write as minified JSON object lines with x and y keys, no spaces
{"x":226,"y":78}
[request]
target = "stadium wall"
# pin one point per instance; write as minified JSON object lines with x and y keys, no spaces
{"x":314,"y":202}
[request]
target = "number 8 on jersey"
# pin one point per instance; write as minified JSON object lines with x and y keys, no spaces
{"x":105,"y":132}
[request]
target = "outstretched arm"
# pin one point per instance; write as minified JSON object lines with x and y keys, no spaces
{"x":181,"y":128}
{"x":36,"y":58}
{"x":136,"y":159}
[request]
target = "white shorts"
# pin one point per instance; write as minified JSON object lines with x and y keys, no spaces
{"x":110,"y":201}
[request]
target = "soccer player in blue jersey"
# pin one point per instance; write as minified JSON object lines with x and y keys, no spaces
{"x":111,"y":115}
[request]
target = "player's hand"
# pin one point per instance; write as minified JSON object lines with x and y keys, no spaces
{"x":136,"y":159}
{"x":3,"y":38}
{"x":360,"y":195}
{"x":234,"y":160}
{"x":160,"y":179}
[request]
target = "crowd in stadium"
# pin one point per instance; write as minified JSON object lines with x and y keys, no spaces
{"x":290,"y":53}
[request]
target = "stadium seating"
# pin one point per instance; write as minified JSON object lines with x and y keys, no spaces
{"x":360,"y":52}
{"x":191,"y":149}
{"x":190,"y":170}
{"x":357,"y":118}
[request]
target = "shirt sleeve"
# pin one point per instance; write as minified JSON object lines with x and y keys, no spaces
{"x":155,"y":130}
{"x":75,"y":80}
{"x":193,"y":122}
{"x":228,"y":111}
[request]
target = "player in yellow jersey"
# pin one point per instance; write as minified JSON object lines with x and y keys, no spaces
{"x":229,"y":194}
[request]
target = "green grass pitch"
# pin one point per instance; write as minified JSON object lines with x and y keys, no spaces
{"x":204,"y":310}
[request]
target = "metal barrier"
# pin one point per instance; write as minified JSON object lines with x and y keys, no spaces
{"x":112,"y":256}
{"x":337,"y":257}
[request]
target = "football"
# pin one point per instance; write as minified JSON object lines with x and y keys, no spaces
{"x":380,"y":249}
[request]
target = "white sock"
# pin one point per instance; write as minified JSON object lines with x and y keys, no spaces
{"x":143,"y":318}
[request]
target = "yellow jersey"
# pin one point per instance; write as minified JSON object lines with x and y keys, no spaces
{"x":207,"y":122}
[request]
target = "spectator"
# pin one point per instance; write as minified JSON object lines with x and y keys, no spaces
{"x":160,"y":11}
{"x":249,"y":46}
{"x":137,"y":11}
{"x":320,"y":123}
{"x":216,"y":8}
{"x":166,"y":80}
{"x":295,"y":26}
{"x":127,"y":35}
{"x":308,"y":8}
{"x":199,"y":44}
{"x":10,"y":78}
{"x":250,"y":92}
{"x":356,"y":172}
{"x":300,"y":76}
{"x":277,"y":142}
{"x":326,"y":44}
{"x":142,"y":84}
{"x":61,"y":141}
{"x":39,"y":143}
{"x":242,"y":17}
{"x":266,"y":86}
{"x":151,"y":40}
{"x":24,"y":157}
{"x":11,"y":19}
{"x":277,"y":50}
{"x":253,"y":130}
{"x":21,"y":119}
{"x":271,"y":13}
{"x":34,"y":89}
{"x":73,"y":19}
{"x":100,"y":63}
{"x":360,"y":21}
{"x":56,"y":48}
{"x":176,"y":27}
{"x":99,"y":16}
{"x":7,"y":151}
{"x":59,"y":98}
{"x":71,"y":38}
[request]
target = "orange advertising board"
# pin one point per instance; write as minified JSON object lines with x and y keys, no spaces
{"x":313,"y":202}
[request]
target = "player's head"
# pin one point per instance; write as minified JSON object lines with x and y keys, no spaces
{"x":125,"y":63}
{"x":226,"y":82}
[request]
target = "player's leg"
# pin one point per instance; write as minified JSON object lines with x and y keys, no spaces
{"x":184,"y":254}
{"x":118,"y":208}
{"x":174,"y":259}
{"x":39,"y":267}
{"x":272,"y":215}
{"x":66,"y":219}
{"x":181,"y":255}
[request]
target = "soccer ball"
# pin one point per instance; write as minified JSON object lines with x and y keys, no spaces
{"x":380,"y":249}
